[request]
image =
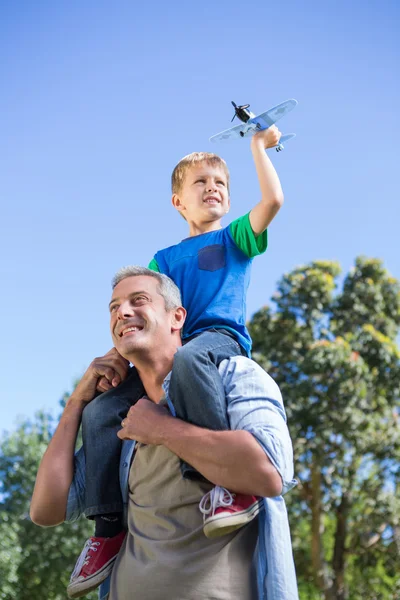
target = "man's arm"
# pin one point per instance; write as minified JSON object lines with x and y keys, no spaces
{"x":56,"y":470}
{"x":271,"y":190}
{"x":231,"y":459}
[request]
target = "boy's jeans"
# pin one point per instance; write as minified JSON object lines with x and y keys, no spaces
{"x":196,"y":392}
{"x":101,"y":420}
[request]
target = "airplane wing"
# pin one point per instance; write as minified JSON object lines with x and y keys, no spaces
{"x":255,"y":124}
{"x":271,"y":116}
{"x":285,"y":138}
{"x":237,"y":132}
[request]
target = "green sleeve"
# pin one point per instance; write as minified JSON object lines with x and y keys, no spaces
{"x":245,"y":238}
{"x":153,"y":265}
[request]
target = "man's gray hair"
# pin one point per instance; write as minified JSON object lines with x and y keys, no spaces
{"x":166,"y":287}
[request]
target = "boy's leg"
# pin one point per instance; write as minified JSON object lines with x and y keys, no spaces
{"x":196,"y":388}
{"x":197,"y":393}
{"x":101,"y":420}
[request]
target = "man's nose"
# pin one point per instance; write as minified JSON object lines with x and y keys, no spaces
{"x":125,"y":310}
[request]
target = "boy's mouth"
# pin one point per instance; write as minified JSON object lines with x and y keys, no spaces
{"x":212,"y":200}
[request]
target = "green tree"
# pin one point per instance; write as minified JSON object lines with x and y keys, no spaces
{"x":35,"y":563}
{"x":335,"y":358}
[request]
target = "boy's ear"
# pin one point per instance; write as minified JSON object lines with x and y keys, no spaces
{"x":176,"y":203}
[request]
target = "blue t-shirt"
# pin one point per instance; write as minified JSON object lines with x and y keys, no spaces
{"x":212,"y":271}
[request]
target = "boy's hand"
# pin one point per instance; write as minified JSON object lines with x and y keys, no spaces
{"x":269,"y":138}
{"x":103,"y":374}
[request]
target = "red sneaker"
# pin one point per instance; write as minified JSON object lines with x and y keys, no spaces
{"x":94,"y":564}
{"x":225,"y":511}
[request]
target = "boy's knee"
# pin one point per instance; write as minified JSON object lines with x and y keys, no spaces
{"x":183,"y":358}
{"x":189,"y":355}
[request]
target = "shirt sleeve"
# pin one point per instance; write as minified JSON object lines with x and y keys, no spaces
{"x":76,"y":495}
{"x":244,"y":237}
{"x":255,"y":404}
{"x":153,"y":265}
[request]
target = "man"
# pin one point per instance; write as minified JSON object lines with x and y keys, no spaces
{"x":165,"y":554}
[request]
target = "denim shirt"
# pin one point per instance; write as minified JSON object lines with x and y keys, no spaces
{"x":254,"y":404}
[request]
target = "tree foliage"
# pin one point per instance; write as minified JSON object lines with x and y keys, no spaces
{"x":334,"y":354}
{"x":35,"y":563}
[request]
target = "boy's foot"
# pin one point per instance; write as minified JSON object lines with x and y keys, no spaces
{"x":225,"y":511}
{"x":94,"y":564}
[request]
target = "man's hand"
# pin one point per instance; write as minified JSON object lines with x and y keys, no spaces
{"x":269,"y":138}
{"x":145,"y":422}
{"x":103,"y":374}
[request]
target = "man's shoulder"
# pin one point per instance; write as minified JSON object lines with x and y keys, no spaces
{"x":240,"y":370}
{"x":242,"y":364}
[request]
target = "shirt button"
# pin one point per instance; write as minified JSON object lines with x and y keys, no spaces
{"x":125,"y":464}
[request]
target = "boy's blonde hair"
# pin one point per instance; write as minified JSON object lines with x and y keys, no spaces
{"x":191,"y":160}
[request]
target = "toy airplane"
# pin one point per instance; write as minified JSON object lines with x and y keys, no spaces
{"x":252,"y":123}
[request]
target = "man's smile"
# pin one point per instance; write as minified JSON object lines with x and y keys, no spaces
{"x":125,"y":330}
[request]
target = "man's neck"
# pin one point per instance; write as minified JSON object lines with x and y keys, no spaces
{"x":152,"y":372}
{"x":199,"y":228}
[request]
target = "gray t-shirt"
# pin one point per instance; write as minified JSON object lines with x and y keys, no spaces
{"x":166,"y":555}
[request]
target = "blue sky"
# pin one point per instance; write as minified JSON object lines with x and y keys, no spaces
{"x":100,"y":100}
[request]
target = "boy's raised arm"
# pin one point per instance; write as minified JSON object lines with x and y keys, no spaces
{"x":271,"y":190}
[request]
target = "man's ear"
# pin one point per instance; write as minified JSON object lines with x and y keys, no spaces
{"x":178,"y":318}
{"x":177,"y":203}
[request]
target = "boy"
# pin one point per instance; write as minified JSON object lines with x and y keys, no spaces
{"x":212,"y":269}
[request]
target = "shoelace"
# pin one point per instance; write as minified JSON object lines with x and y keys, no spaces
{"x":83,"y":559}
{"x":218,"y":496}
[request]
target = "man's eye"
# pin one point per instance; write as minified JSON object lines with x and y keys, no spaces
{"x":113,"y":308}
{"x":221,"y":182}
{"x":140,"y":299}
{"x":199,"y":181}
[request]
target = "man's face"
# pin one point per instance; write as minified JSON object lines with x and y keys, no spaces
{"x":138,"y":319}
{"x":204,"y":194}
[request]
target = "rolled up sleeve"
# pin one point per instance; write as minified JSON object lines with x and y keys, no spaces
{"x":254,"y":404}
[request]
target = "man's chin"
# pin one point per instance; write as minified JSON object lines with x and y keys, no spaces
{"x":130,"y":346}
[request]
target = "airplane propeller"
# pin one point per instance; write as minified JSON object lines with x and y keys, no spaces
{"x":237,"y":108}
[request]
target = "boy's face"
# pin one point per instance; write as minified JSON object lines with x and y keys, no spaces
{"x":204,"y":195}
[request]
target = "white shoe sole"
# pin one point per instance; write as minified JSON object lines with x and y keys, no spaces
{"x":220,"y":525}
{"x":82,"y":586}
